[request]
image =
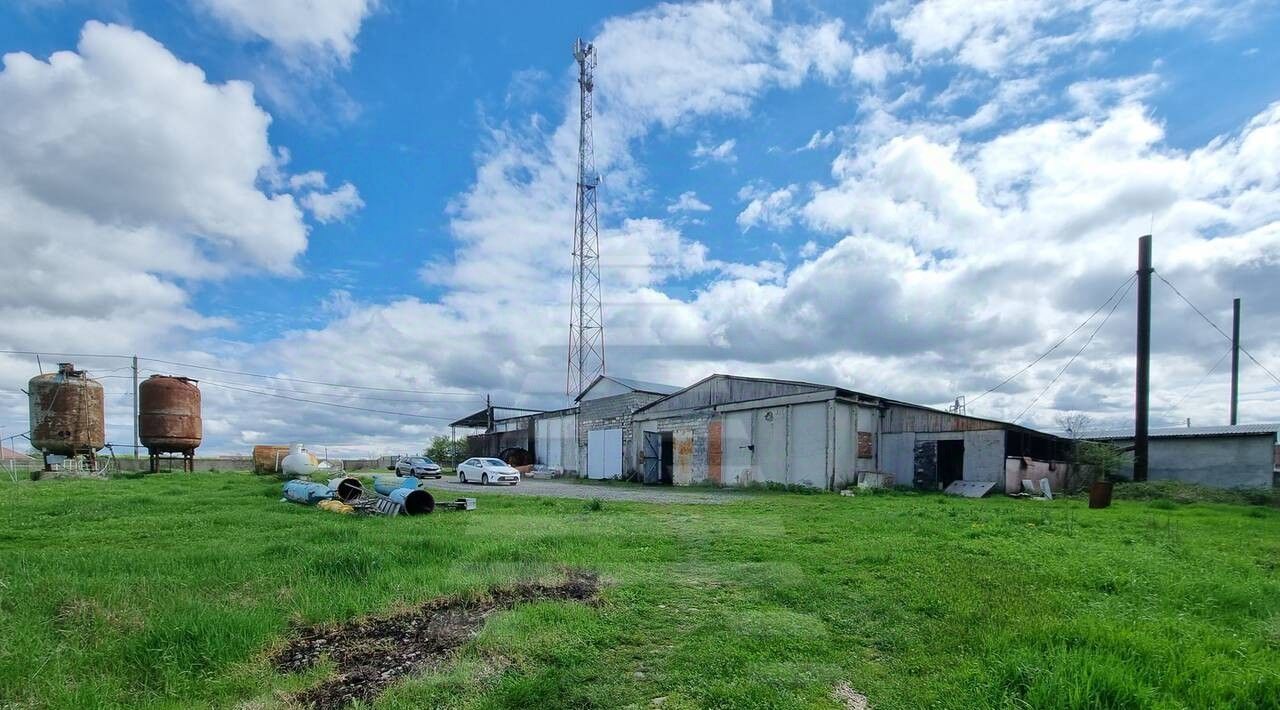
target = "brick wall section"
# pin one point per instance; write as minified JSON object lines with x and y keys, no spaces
{"x":698,"y":423}
{"x":715,"y":450}
{"x":612,"y":413}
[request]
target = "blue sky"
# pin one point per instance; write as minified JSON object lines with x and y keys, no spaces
{"x":914,"y":199}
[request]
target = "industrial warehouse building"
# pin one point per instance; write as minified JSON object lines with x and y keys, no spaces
{"x":738,"y":431}
{"x":1239,"y":456}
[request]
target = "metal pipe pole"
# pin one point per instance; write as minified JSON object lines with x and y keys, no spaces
{"x":135,"y":407}
{"x":1142,"y":399}
{"x":1235,"y":359}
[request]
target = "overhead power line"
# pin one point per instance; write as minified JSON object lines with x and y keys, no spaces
{"x":331,"y":404}
{"x":1204,"y":377}
{"x":281,"y":378}
{"x":1073,"y":357}
{"x":348,"y":395}
{"x":1065,"y":338}
{"x":1215,"y":327}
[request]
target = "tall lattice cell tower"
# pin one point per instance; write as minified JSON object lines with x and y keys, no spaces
{"x":586,"y":319}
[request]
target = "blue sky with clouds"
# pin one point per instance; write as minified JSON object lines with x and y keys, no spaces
{"x":912,"y":199}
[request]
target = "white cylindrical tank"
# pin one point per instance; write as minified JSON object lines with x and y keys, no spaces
{"x":300,"y":463}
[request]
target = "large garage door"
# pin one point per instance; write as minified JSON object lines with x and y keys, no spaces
{"x":770,"y":439}
{"x":604,"y":453}
{"x":737,"y":449}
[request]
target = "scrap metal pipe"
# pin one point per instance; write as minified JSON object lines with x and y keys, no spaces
{"x":346,"y":488}
{"x":413,"y":501}
{"x":342,"y":488}
{"x":386,"y":484}
{"x":307,"y":492}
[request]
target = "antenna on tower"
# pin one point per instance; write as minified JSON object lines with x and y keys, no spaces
{"x":586,"y":318}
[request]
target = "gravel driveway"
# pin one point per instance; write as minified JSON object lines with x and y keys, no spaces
{"x":587,"y":491}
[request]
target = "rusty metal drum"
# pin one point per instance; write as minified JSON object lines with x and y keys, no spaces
{"x":67,"y":412}
{"x":169,"y":414}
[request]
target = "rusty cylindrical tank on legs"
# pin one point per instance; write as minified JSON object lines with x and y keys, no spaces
{"x":67,"y":413}
{"x":169,"y":418}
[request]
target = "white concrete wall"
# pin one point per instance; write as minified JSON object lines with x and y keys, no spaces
{"x":736,"y":467}
{"x":898,"y":456}
{"x":807,"y":463}
{"x":556,"y":441}
{"x":984,"y":456}
{"x":769,"y":437}
{"x":846,"y":444}
{"x":1220,"y":461}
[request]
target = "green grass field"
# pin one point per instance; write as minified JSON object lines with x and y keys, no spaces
{"x":172,"y":591}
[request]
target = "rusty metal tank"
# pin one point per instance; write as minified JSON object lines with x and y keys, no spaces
{"x":169,"y":414}
{"x":67,"y":412}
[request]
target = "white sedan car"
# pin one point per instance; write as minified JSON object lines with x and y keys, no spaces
{"x":487,"y":471}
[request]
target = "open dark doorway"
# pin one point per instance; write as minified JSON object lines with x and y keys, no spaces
{"x":950,"y":461}
{"x":668,"y":457}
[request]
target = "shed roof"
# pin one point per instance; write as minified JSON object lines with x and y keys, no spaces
{"x":631,"y":384}
{"x":783,"y":387}
{"x":480,"y":419}
{"x":1178,"y":432}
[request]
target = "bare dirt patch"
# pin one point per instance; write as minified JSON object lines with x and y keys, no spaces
{"x":850,"y":698}
{"x":371,"y":653}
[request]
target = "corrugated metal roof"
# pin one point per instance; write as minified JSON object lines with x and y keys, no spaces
{"x":643,"y":386}
{"x":1190,"y":431}
{"x":841,"y":391}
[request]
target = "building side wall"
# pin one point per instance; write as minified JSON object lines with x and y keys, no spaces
{"x":897,"y":456}
{"x":808,"y":446}
{"x":613,"y":413}
{"x":844,"y":444}
{"x":900,"y":418}
{"x":691,"y":430}
{"x":724,"y":390}
{"x":984,"y":458}
{"x":1220,"y":461}
{"x":556,"y":442}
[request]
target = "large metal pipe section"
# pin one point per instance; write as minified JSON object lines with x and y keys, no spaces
{"x":346,"y":488}
{"x":413,"y":501}
{"x":386,"y":484}
{"x":309,"y":492}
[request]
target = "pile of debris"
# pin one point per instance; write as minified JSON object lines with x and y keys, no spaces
{"x":391,"y":496}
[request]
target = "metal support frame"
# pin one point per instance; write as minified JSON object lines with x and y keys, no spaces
{"x":586,"y":318}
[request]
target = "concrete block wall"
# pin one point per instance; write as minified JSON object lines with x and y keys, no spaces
{"x":1222,"y":462}
{"x":612,"y":413}
{"x":239,"y":463}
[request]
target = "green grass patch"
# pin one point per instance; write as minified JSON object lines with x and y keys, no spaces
{"x":172,"y":590}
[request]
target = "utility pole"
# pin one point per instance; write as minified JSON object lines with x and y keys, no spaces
{"x":1235,"y":359}
{"x":586,"y":318}
{"x":1142,"y":400}
{"x":135,"y":406}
